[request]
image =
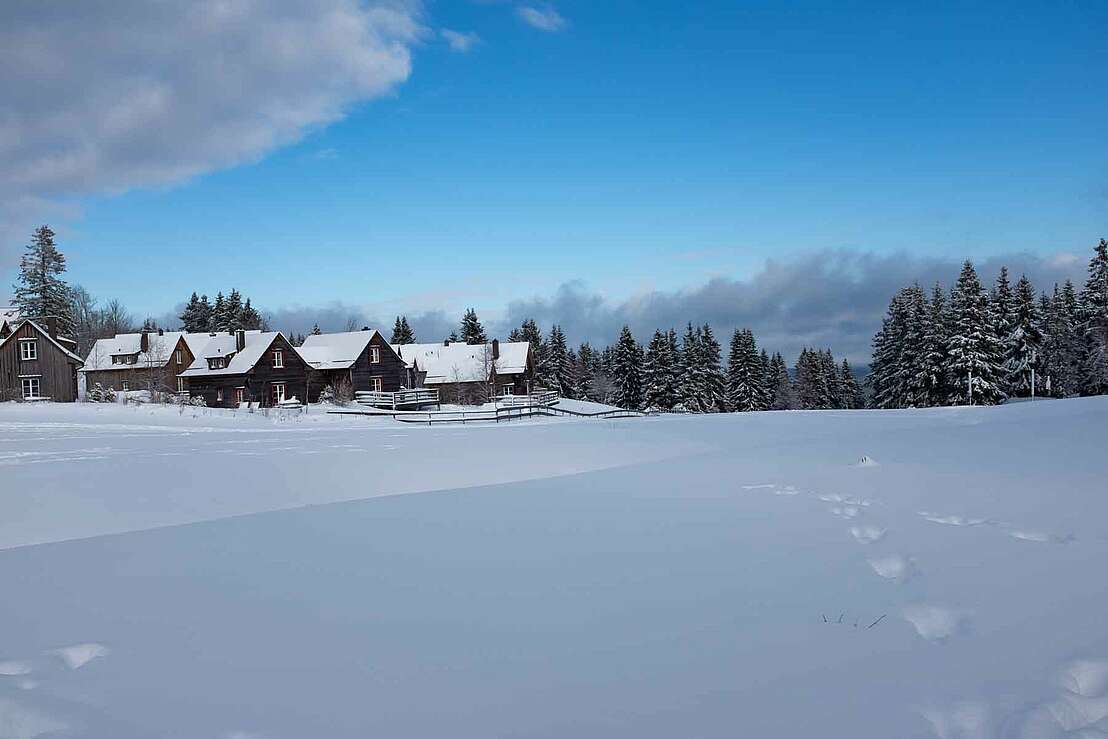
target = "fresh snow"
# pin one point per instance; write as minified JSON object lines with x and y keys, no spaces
{"x":204,"y":573}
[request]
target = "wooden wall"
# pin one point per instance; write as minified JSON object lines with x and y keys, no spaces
{"x":256,"y":383}
{"x":57,"y":370}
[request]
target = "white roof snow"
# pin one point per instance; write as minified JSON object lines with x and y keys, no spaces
{"x":159,"y":351}
{"x":335,"y":351}
{"x":460,"y":362}
{"x":9,"y":314}
{"x":222,"y":345}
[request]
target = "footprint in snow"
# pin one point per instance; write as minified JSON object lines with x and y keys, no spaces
{"x":79,"y":655}
{"x":867,"y":534}
{"x":845,"y":511}
{"x":954,"y":520}
{"x":846,"y":500}
{"x":13,"y":668}
{"x":936,"y":623}
{"x":894,"y":568}
{"x":1040,"y":537}
{"x":1079,"y":709}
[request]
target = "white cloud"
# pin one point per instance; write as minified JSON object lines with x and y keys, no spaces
{"x":459,"y":41}
{"x":107,"y":95}
{"x":544,"y":19}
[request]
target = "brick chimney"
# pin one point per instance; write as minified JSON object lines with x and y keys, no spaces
{"x":240,"y":340}
{"x":144,"y":341}
{"x":495,"y":349}
{"x":52,"y":327}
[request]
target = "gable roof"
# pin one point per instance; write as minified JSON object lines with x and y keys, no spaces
{"x":159,"y":350}
{"x":45,"y":334}
{"x":461,"y":362}
{"x":335,"y":351}
{"x":241,"y":362}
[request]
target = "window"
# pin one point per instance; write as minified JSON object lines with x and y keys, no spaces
{"x":239,"y":393}
{"x":179,"y":357}
{"x":180,"y":384}
{"x":378,"y":386}
{"x":278,"y":359}
{"x":28,"y":349}
{"x":507,"y":390}
{"x":278,"y":393}
{"x":126,"y":386}
{"x":216,"y":363}
{"x":219,"y":395}
{"x":30,"y":388}
{"x":117,"y":360}
{"x":375,"y":354}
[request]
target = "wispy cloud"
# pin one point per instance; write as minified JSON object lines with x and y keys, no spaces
{"x":460,"y":41}
{"x":545,"y":18}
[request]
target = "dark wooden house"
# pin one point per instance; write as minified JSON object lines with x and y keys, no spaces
{"x":150,"y":360}
{"x":35,"y":364}
{"x":247,"y":367}
{"x":363,"y":360}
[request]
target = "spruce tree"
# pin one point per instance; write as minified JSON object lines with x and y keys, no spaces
{"x":1024,"y":342}
{"x":233,"y":310}
{"x":781,"y":395}
{"x":931,"y":387}
{"x":850,"y":396}
{"x":250,"y":319}
{"x":191,"y":317}
{"x":204,"y":315}
{"x":745,"y":376}
{"x":41,"y":292}
{"x":627,"y":371}
{"x":472,"y":332}
{"x":691,"y":384}
{"x":402,"y":332}
{"x":888,"y":375}
{"x":585,"y":373}
{"x":1093,"y":313}
{"x":658,"y":373}
{"x":315,"y":329}
{"x":974,"y":349}
{"x":715,"y":381}
{"x":558,"y":367}
{"x":219,"y":320}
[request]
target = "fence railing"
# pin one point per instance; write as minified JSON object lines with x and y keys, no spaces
{"x":541,"y":397}
{"x":398,"y":399}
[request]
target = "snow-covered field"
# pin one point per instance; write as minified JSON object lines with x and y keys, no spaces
{"x":203,"y":574}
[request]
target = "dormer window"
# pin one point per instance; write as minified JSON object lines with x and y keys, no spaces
{"x":216,"y":363}
{"x":278,"y":359}
{"x":28,"y":349}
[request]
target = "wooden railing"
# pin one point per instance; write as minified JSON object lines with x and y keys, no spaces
{"x":539,"y":397}
{"x":398,"y":399}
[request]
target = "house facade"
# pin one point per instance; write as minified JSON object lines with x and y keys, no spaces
{"x":150,"y":360}
{"x":471,"y":373}
{"x":239,"y":367}
{"x":361,"y":358}
{"x":35,"y":364}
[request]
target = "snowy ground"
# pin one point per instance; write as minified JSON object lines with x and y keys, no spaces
{"x":713,"y":576}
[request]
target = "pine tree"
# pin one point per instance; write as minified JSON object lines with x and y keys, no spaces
{"x":402,"y":332}
{"x":781,"y":392}
{"x":472,"y":331}
{"x":250,"y":319}
{"x":315,"y":329}
{"x":219,"y":320}
{"x":974,"y":349}
{"x":830,"y":384}
{"x":204,"y":315}
{"x":888,"y":375}
{"x":233,"y":311}
{"x":1063,"y":344}
{"x":41,"y":292}
{"x":850,"y":393}
{"x":627,"y":371}
{"x":745,"y":375}
{"x":558,"y":366}
{"x":1024,"y":341}
{"x":763,"y":358}
{"x":715,"y":381}
{"x":658,"y":373}
{"x":149,"y":325}
{"x":585,"y":372}
{"x":931,"y":387}
{"x":691,"y":385}
{"x":192,"y":319}
{"x":1093,"y":316}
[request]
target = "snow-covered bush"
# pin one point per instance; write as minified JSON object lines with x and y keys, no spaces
{"x":99,"y":394}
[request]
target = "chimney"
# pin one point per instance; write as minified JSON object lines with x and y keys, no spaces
{"x":495,"y":349}
{"x":446,"y":342}
{"x":144,"y":342}
{"x":52,"y":327}
{"x":161,"y":332}
{"x":240,"y":340}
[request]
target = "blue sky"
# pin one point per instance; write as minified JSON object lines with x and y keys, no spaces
{"x":640,"y":146}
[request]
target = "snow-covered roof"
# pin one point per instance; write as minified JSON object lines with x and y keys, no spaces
{"x":335,"y":351}
{"x":159,"y":349}
{"x":8,"y":314}
{"x":223,"y":345}
{"x":460,"y":362}
{"x":15,"y":326}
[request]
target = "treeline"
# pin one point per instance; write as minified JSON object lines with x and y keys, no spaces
{"x":688,"y":374}
{"x":225,"y":314}
{"x":973,"y":346}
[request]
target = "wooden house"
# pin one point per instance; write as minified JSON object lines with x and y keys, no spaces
{"x":363,"y":359}
{"x":150,"y":360}
{"x":247,"y":367}
{"x":35,"y":364}
{"x":470,"y":373}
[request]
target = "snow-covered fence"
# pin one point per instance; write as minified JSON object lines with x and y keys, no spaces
{"x":399,"y":399}
{"x":541,"y":398}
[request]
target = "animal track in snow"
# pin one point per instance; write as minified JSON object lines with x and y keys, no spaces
{"x":894,"y":567}
{"x":79,"y":655}
{"x":954,"y":520}
{"x":845,"y":511}
{"x":936,"y":623}
{"x":867,"y":534}
{"x":845,"y":500}
{"x":13,"y":668}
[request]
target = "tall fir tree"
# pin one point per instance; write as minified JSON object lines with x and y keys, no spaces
{"x":627,"y":371}
{"x":1093,"y":312}
{"x":219,"y":320}
{"x":472,"y":332}
{"x":850,"y":392}
{"x":402,"y":332}
{"x":585,"y":374}
{"x":691,"y":384}
{"x":1024,"y":342}
{"x":234,"y":310}
{"x":559,"y":368}
{"x":975,"y":350}
{"x":931,"y":386}
{"x":715,"y":381}
{"x":745,"y":375}
{"x":41,"y":292}
{"x":658,"y":373}
{"x":781,"y":392}
{"x":190,"y":317}
{"x":888,"y":376}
